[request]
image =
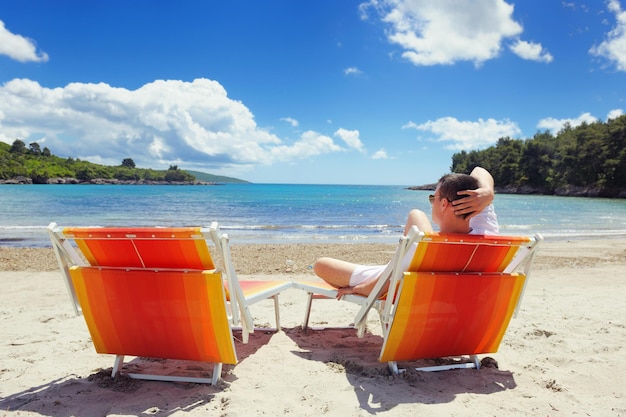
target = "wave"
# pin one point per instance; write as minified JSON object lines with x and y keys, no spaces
{"x":12,"y":239}
{"x":312,"y":227}
{"x":18,"y":227}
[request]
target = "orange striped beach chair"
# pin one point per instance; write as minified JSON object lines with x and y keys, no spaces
{"x":456,"y":298}
{"x":156,"y":292}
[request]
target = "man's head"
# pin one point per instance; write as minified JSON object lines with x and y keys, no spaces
{"x":447,"y":189}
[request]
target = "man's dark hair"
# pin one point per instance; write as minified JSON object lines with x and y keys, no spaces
{"x":450,"y":184}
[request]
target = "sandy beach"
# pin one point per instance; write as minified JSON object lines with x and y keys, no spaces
{"x":563,"y":354}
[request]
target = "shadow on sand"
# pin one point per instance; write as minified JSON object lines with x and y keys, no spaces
{"x":98,"y":394}
{"x":376,"y":388}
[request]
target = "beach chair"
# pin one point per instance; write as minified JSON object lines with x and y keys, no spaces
{"x":156,"y":292}
{"x":456,"y":298}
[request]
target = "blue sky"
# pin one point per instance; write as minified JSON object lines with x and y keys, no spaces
{"x":327,"y":91}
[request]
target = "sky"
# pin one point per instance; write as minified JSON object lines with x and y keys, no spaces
{"x":284,"y":91}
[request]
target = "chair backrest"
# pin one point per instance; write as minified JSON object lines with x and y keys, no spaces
{"x":170,"y":314}
{"x":449,"y":314}
{"x":437,"y":252}
{"x":458,"y":295}
{"x":147,"y":247}
{"x":183,"y":248}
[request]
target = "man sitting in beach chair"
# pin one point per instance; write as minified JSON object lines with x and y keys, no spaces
{"x":461,"y":204}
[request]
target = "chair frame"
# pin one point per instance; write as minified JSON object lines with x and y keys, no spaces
{"x":522,"y":261}
{"x":387,"y":289}
{"x":69,"y":256}
{"x":101,"y":318}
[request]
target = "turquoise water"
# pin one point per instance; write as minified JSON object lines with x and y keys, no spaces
{"x":280,"y":213}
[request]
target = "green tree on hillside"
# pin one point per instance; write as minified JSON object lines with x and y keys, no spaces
{"x":18,"y":161}
{"x":590,"y":155}
{"x":34,"y":149}
{"x":128,"y":163}
{"x":173,"y":174}
{"x":18,"y":147}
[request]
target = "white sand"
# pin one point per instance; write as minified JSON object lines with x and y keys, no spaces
{"x":563,"y":355}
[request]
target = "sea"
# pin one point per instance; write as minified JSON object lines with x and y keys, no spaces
{"x":283,"y":213}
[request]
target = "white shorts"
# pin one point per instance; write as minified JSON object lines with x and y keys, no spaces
{"x":363,"y":273}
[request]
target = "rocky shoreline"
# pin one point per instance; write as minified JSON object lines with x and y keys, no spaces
{"x":109,"y":181}
{"x":567,"y":191}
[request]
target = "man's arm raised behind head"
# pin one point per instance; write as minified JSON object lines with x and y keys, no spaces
{"x":476,"y":200}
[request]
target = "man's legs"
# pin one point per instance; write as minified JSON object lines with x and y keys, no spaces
{"x":334,"y":271}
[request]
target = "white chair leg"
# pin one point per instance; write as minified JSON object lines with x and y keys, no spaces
{"x":277,"y":312}
{"x":217,"y":373}
{"x":117,"y":366}
{"x":307,"y":312}
{"x":245,"y":332}
{"x":393,"y":367}
{"x":474,"y":359}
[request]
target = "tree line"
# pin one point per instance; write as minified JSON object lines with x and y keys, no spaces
{"x":39,"y":166}
{"x":588,"y":160}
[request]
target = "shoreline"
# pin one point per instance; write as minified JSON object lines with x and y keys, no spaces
{"x":42,"y":242}
{"x":101,"y":181}
{"x":298,"y":258}
{"x":563,"y":191}
{"x":254,"y":258}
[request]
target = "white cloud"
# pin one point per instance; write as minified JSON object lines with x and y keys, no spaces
{"x":444,"y":32}
{"x":575,"y":6}
{"x":411,"y":125}
{"x":468,"y":135}
{"x":193,"y":124}
{"x":352,"y":71}
{"x":351,"y":138}
{"x":310,"y":144}
{"x":530,"y":51}
{"x":556,"y":125}
{"x":291,"y":121}
{"x":380,"y":154}
{"x":614,"y":114}
{"x":570,"y":5}
{"x":614,"y":46}
{"x":18,"y":47}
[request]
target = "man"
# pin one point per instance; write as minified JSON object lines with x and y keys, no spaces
{"x":461,"y":204}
